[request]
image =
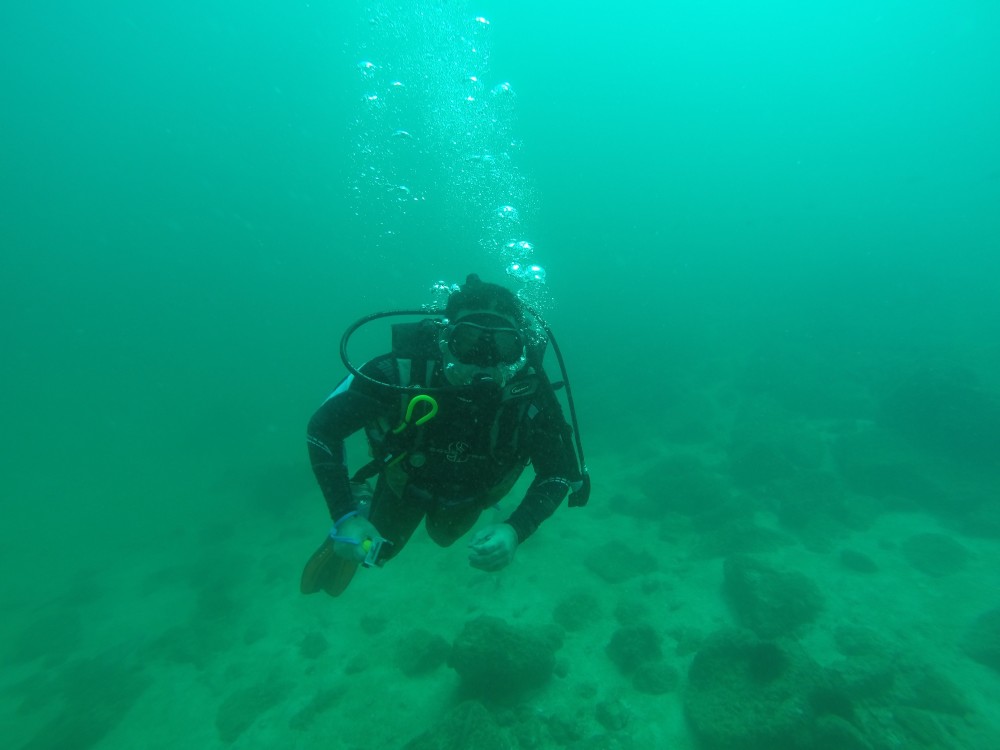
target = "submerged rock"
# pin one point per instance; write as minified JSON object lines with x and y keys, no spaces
{"x":468,"y":725}
{"x":859,"y":562}
{"x":634,"y":645}
{"x":419,"y":651}
{"x":608,"y":563}
{"x":947,"y":411}
{"x":935,"y":554}
{"x":745,"y":694}
{"x":496,"y":659}
{"x":770,"y":602}
{"x":982,"y":641}
{"x":878,"y":464}
{"x":656,"y":678}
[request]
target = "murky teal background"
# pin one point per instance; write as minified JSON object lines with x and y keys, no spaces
{"x":179,"y":255}
{"x":814,"y":184}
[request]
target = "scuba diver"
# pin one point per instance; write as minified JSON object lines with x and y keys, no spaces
{"x":453,"y":415}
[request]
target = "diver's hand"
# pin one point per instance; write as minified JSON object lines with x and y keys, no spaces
{"x":350,"y":537}
{"x":493,"y":547}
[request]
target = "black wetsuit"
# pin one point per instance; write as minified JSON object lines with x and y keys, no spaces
{"x":455,"y":465}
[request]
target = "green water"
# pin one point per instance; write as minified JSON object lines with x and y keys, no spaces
{"x":793,"y":204}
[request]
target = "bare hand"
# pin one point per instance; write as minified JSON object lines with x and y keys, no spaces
{"x":493,"y":547}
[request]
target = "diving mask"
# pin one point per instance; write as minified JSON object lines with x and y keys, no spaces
{"x":480,"y":347}
{"x":478,"y":340}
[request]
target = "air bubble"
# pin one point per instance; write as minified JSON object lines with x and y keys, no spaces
{"x":483,"y":158}
{"x":440,"y":292}
{"x":508,"y":214}
{"x":520,"y":248}
{"x":536,"y":273}
{"x":528,"y":272}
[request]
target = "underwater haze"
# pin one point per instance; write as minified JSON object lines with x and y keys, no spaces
{"x":767,"y":237}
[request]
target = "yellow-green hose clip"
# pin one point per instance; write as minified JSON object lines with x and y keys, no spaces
{"x":411,"y":407}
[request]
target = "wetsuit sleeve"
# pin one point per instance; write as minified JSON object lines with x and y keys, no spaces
{"x":354,"y":404}
{"x":555,"y":469}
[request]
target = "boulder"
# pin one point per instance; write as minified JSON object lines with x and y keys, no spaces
{"x":982,"y":640}
{"x":608,"y":563}
{"x":947,"y":411}
{"x":936,"y":555}
{"x":770,"y":602}
{"x":496,"y":659}
{"x":656,"y":678}
{"x":744,"y":693}
{"x":859,"y":562}
{"x":634,"y":645}
{"x":420,"y":651}
{"x":468,"y":725}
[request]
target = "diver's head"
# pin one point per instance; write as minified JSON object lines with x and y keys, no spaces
{"x":484,"y":338}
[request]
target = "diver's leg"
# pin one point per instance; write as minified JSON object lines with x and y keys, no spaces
{"x":396,"y":518}
{"x":446,"y":525}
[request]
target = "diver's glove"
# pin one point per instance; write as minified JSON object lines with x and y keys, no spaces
{"x":349,"y":535}
{"x":493,"y":547}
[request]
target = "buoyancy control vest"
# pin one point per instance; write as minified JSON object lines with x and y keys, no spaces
{"x":412,"y":367}
{"x":476,"y":438}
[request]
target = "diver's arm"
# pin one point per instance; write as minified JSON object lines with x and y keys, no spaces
{"x":540,"y":502}
{"x":347,"y":410}
{"x":555,"y":463}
